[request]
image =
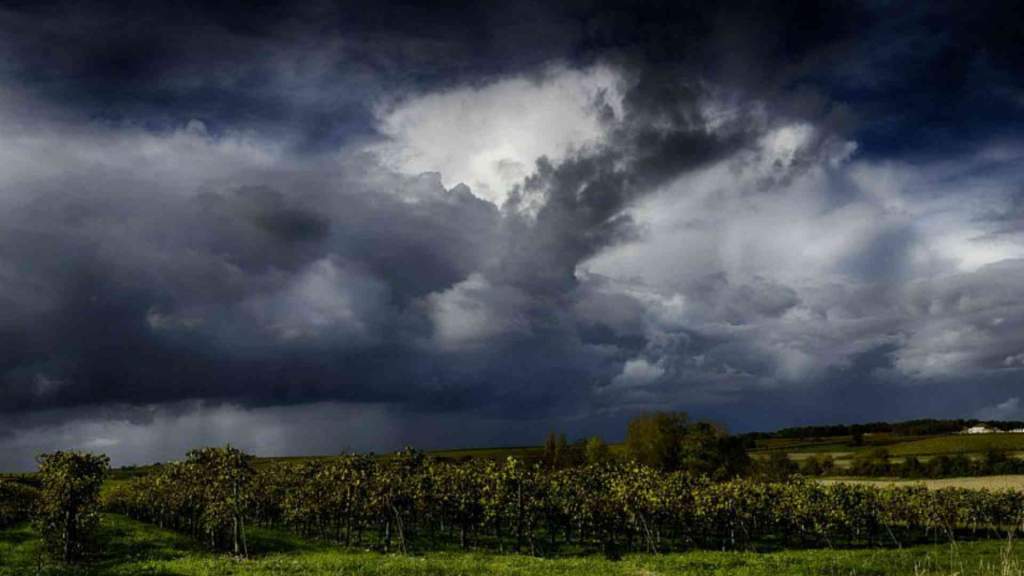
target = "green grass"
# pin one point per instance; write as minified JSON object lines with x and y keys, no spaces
{"x":132,"y":548}
{"x":842,"y":449}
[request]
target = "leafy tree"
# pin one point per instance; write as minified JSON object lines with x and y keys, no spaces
{"x":556,"y":451}
{"x":817,"y":465}
{"x":656,"y":439}
{"x":596,"y":451}
{"x":668,"y":441}
{"x":874,"y":462}
{"x":994,"y":460}
{"x":939,"y":466}
{"x":708,"y":449}
{"x":68,"y":512}
{"x":912,"y":468}
{"x":778,"y":466}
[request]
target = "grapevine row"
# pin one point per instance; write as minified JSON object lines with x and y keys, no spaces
{"x":411,"y":501}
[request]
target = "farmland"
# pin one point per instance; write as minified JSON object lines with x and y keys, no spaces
{"x":677,"y":496}
{"x":1007,"y":482}
{"x":843,"y":449}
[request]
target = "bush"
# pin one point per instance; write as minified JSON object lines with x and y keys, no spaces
{"x":816,"y":465}
{"x":777,"y":466}
{"x":226,"y":476}
{"x":17,"y":501}
{"x":68,"y":512}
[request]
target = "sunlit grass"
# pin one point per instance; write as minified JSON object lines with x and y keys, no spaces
{"x":133,"y":548}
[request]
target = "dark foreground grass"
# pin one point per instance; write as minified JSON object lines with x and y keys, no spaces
{"x":133,"y":548}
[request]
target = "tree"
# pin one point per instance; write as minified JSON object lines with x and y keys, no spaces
{"x":708,"y":449}
{"x":556,"y":450}
{"x":912,"y":468}
{"x":668,"y":441}
{"x":596,"y":451}
{"x":874,"y":462}
{"x":778,"y":466}
{"x":817,"y":465}
{"x":68,"y":511}
{"x":656,"y":439}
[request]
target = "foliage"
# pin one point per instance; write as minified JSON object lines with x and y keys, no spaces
{"x":17,"y":501}
{"x":411,"y":501}
{"x":668,"y":441}
{"x":656,"y":439}
{"x":209,"y":496}
{"x":132,"y":548}
{"x":67,"y":513}
{"x":596,"y":451}
{"x":816,"y":465}
{"x":777,"y":466}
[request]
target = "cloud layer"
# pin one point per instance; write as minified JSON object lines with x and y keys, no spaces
{"x":397,"y":226}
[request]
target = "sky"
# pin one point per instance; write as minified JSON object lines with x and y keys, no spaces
{"x":307,"y":228}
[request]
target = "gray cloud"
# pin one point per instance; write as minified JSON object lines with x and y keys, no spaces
{"x":224,"y":219}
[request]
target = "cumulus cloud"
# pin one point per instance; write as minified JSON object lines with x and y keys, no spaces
{"x":488,"y":137}
{"x":474,"y":312}
{"x":638,"y":372}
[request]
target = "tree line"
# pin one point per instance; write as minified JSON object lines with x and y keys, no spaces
{"x":877,"y":462}
{"x":920,"y":427}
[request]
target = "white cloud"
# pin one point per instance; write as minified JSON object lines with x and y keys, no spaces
{"x":855,"y":254}
{"x":474,"y":312}
{"x":489,"y":137}
{"x":326,"y":299}
{"x":638,"y":372}
{"x":53,"y":153}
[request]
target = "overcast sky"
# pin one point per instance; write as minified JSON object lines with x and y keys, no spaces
{"x":315,"y":227}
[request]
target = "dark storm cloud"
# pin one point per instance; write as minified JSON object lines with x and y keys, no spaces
{"x":213,"y":295}
{"x":194,"y":210}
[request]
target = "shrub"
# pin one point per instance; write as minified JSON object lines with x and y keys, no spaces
{"x":68,"y":512}
{"x":17,"y":501}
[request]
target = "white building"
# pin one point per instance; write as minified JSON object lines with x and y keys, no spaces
{"x":979,"y":429}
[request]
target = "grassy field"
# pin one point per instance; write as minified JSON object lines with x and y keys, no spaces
{"x":133,"y":548}
{"x":959,"y":444}
{"x":843,"y":450}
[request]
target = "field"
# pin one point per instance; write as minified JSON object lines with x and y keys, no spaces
{"x":842,"y":448}
{"x":1009,"y":482}
{"x":134,"y":549}
{"x":463,"y":511}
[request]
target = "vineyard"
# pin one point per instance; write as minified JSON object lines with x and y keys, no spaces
{"x":413,"y":503}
